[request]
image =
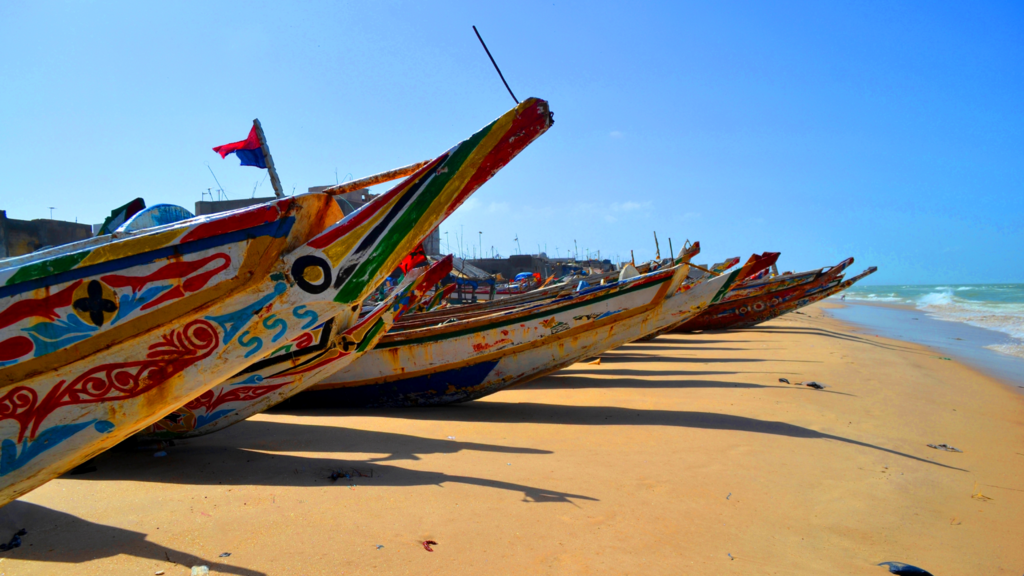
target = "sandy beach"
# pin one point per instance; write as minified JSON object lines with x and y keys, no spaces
{"x":684,"y":455}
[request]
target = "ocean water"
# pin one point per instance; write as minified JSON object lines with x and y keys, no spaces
{"x":995,"y":307}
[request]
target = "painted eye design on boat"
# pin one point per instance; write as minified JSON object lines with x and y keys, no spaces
{"x":312,"y":274}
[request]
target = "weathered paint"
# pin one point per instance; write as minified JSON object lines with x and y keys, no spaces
{"x":187,"y":346}
{"x":446,"y":364}
{"x":763,"y":305}
{"x":806,"y":297}
{"x":287,"y":372}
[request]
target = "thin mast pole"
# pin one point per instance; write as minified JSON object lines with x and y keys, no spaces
{"x":274,"y":180}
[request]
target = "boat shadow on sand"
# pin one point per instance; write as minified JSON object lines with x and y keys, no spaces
{"x":66,"y":539}
{"x":533,"y":413}
{"x":256,"y":453}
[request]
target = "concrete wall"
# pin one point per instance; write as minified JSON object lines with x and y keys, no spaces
{"x":19,"y":237}
{"x":203,"y":207}
{"x":509,"y":267}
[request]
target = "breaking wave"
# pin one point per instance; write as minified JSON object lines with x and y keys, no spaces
{"x":998,"y":307}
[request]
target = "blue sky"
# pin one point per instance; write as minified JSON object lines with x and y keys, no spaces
{"x":891,"y":132}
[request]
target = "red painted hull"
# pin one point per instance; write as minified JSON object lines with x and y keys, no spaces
{"x":746,"y":312}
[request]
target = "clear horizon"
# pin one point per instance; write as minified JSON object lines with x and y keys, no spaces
{"x":883,"y":131}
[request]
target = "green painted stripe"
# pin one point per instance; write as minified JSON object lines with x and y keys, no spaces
{"x":49,"y":267}
{"x":725,"y":287}
{"x":521,"y":319}
{"x":413,"y":213}
{"x":370,"y":335}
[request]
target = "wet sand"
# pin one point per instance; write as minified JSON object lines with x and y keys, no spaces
{"x":684,"y":455}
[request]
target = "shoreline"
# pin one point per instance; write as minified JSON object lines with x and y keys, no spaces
{"x":680,"y":455}
{"x":907,"y":323}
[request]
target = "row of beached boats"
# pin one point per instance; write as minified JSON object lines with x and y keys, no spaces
{"x":182,"y":329}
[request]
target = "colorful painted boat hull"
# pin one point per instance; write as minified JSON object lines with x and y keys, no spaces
{"x":764,"y":305}
{"x":60,"y":408}
{"x":461,"y":364}
{"x":291,"y":368}
{"x":805,"y":298}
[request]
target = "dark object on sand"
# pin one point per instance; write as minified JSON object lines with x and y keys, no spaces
{"x":810,"y":383}
{"x":427,"y":544}
{"x":945,"y":447}
{"x":225,"y":554}
{"x":15,"y":541}
{"x":905,"y":569}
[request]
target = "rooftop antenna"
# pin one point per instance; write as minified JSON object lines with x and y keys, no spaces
{"x":220,"y":189}
{"x":51,"y":212}
{"x":519,"y":249}
{"x":500,"y":75}
{"x":257,"y":185}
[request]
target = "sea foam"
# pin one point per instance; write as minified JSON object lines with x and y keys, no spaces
{"x":998,"y":307}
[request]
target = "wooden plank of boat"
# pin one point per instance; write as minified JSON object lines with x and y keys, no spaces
{"x":467,"y":360}
{"x":805,"y":297}
{"x":122,"y":331}
{"x":757,"y":308}
{"x":289,"y":369}
{"x":753,"y":266}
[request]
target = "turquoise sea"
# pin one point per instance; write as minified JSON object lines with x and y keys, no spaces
{"x":981,"y":323}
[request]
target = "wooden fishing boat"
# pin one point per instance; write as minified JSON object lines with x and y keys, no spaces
{"x":755,"y":265}
{"x":103,"y":337}
{"x":805,"y":298}
{"x":465,"y":360}
{"x":289,"y":369}
{"x":756,"y":304}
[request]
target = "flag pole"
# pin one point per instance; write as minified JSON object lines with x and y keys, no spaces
{"x":274,"y":180}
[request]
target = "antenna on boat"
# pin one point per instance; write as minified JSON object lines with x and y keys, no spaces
{"x":657,"y":249}
{"x":500,"y":75}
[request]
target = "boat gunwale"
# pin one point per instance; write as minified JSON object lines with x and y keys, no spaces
{"x":525,"y":313}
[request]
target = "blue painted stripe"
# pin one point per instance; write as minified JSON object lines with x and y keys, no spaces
{"x":440,"y":388}
{"x":275,"y":229}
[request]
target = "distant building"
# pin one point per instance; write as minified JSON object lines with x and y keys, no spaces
{"x":204,"y":208}
{"x":536,"y":263}
{"x":20,"y":237}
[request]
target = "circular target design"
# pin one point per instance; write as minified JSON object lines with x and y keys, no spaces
{"x":743,"y":310}
{"x":759,"y":306}
{"x":312,"y":274}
